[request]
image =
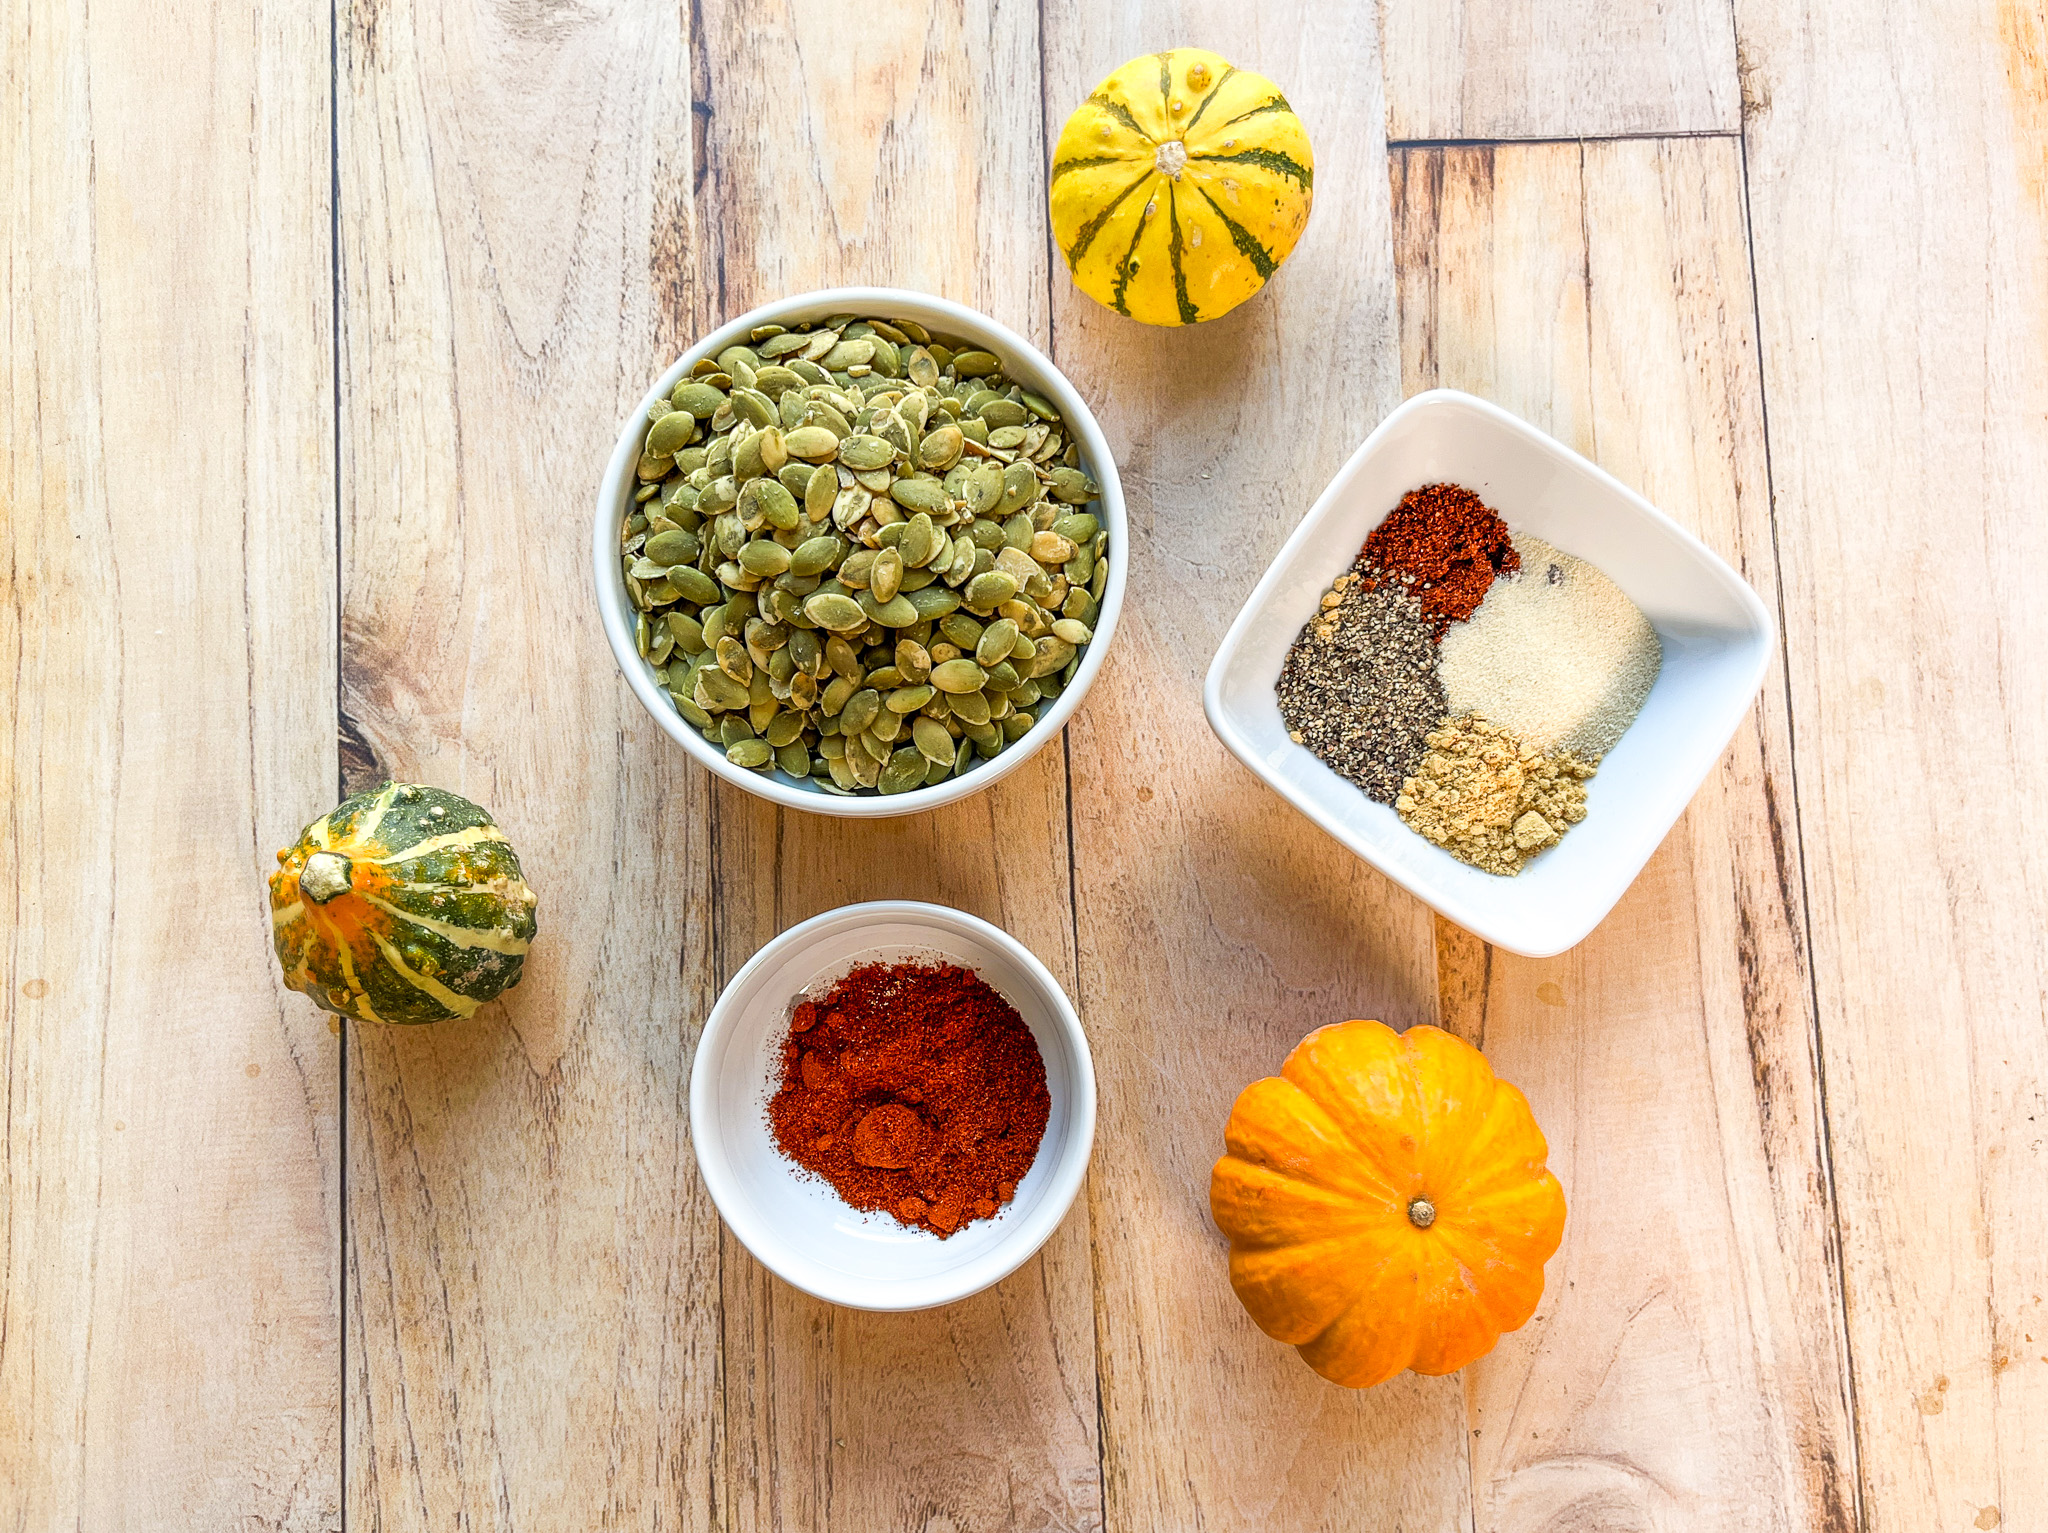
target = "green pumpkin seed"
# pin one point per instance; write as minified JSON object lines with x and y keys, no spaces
{"x":814,"y":555}
{"x":996,"y":642}
{"x":969,"y":707}
{"x":976,"y":364}
{"x":864,"y":453}
{"x":813,"y":444}
{"x":905,"y":771}
{"x":926,"y":495}
{"x":961,"y":629}
{"x":1002,"y":412}
{"x":716,"y":691}
{"x":991,"y":590}
{"x":932,"y":741}
{"x":697,"y":399}
{"x":671,"y":434}
{"x":841,"y":614}
{"x":734,"y":660}
{"x":907,"y":699}
{"x":1020,"y":488}
{"x":686,"y":632}
{"x":913,"y":661}
{"x":664,"y":549}
{"x":694,"y":585}
{"x":941,"y":448}
{"x":764,"y":558}
{"x":958,"y":676}
{"x":932,"y":601}
{"x":860,"y":710}
{"x":885,"y":576}
{"x":898,"y":612}
{"x":749,"y":753}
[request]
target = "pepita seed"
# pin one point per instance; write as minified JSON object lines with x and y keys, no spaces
{"x":958,"y":676}
{"x":885,"y":576}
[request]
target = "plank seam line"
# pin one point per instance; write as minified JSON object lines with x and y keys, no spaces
{"x":1558,"y":138}
{"x":1859,"y":1509}
{"x":340,"y":712}
{"x":1052,"y":265}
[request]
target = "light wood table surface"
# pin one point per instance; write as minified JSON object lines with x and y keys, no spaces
{"x":318,"y":329}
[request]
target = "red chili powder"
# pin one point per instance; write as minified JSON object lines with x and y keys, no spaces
{"x":915,"y":1090}
{"x":1446,"y":546}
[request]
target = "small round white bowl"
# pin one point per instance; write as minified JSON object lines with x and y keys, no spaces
{"x":1026,"y":365}
{"x":793,"y":1222}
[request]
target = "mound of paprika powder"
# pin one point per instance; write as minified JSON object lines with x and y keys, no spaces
{"x":914,"y":1090}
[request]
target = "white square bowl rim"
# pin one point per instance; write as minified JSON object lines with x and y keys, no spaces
{"x":616,"y":614}
{"x":1532,"y":937}
{"x":1019,"y":1245}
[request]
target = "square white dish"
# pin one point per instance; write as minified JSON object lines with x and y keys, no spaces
{"x":1716,"y":634}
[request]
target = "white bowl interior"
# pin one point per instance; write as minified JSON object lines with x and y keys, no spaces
{"x":1715,"y":632}
{"x":795,"y":1223}
{"x":1027,"y":366}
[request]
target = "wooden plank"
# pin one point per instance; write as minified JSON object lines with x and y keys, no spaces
{"x":1686,"y":1368}
{"x":1898,"y":161}
{"x":169,"y":1156}
{"x":907,"y":151}
{"x":1217,"y":926}
{"x":1492,"y":69}
{"x":532,"y":1268}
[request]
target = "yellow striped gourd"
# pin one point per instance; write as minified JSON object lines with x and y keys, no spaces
{"x":1179,"y":186}
{"x":403,"y":904}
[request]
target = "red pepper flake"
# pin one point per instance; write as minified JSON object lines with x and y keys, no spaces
{"x":1446,"y":546}
{"x":916,"y":1091}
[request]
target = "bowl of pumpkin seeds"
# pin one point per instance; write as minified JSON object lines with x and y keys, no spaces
{"x":861,"y":551}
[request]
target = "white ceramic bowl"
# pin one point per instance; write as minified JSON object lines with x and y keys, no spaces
{"x":1716,"y":634}
{"x":1027,"y":366}
{"x":797,"y":1226}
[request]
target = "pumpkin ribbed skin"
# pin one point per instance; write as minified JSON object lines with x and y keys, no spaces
{"x":404,"y":904}
{"x":1387,"y":1203}
{"x":1179,"y":186}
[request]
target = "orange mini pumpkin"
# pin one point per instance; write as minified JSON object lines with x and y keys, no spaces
{"x":1387,"y":1203}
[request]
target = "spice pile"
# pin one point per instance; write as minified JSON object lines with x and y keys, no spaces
{"x":914,"y":1090}
{"x":1471,"y":677}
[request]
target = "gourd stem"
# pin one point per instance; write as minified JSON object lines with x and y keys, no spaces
{"x":1422,"y":1213}
{"x":325,"y":875}
{"x":1170,"y":159}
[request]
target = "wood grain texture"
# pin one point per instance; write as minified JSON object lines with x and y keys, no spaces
{"x":1218,"y":926}
{"x":532,"y":1268}
{"x":1686,"y":1368}
{"x":1898,"y":161}
{"x":169,"y":1140}
{"x":1492,"y":69}
{"x":905,"y":150}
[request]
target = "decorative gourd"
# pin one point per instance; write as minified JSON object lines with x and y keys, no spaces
{"x":403,"y":904}
{"x":1179,"y":186}
{"x":1387,"y":1203}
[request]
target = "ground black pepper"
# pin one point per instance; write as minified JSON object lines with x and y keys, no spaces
{"x":1359,"y":686}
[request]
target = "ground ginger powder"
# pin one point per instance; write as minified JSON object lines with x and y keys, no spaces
{"x":1488,"y":800}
